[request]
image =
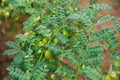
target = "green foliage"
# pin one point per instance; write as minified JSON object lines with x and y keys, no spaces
{"x":64,"y":70}
{"x":74,"y":29}
{"x":15,"y":48}
{"x":115,"y":0}
{"x":93,"y":74}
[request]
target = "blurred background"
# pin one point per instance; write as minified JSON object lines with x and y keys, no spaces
{"x":11,"y":26}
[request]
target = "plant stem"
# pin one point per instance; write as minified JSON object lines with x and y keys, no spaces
{"x":85,"y":53}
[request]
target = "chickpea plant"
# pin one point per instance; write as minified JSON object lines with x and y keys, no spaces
{"x":60,"y":30}
{"x":8,"y":21}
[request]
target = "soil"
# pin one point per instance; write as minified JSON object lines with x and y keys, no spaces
{"x":6,"y":34}
{"x":5,"y":60}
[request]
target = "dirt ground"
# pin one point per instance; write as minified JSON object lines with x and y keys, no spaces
{"x":6,"y":35}
{"x":5,"y":60}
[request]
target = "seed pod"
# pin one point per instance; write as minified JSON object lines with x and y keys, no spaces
{"x":53,"y":76}
{"x":39,"y":51}
{"x":65,"y":33}
{"x":56,"y":41}
{"x":7,"y":14}
{"x":44,"y":41}
{"x":83,"y":66}
{"x":76,"y":9}
{"x":48,"y":54}
{"x":108,"y":77}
